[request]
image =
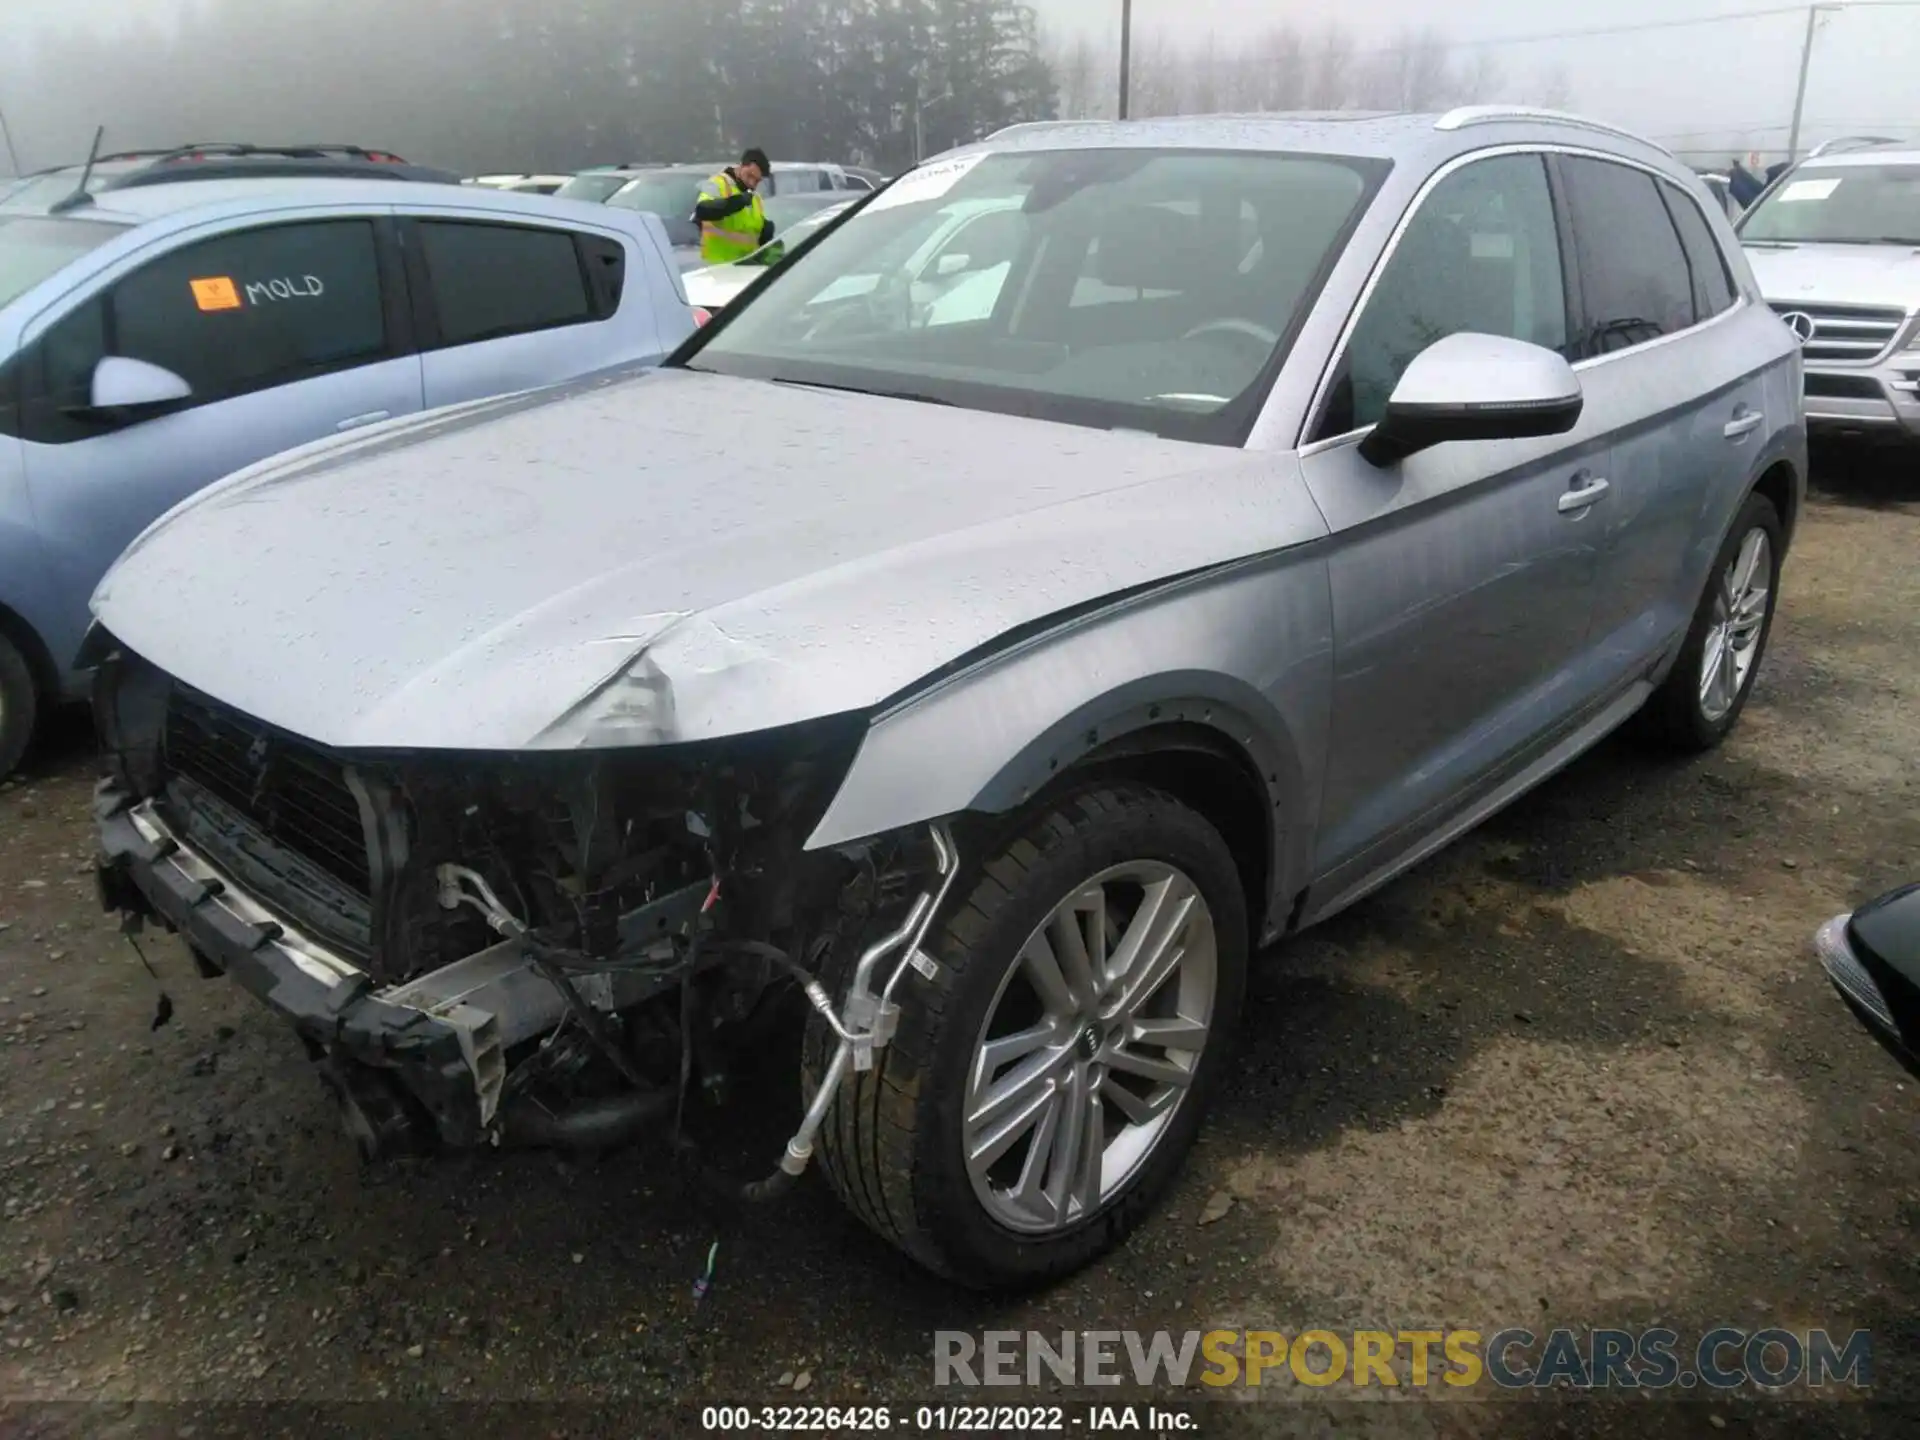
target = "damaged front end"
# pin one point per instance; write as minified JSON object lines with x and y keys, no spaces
{"x":545,"y":948}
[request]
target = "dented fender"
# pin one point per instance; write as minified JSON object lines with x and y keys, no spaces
{"x":1244,"y":650}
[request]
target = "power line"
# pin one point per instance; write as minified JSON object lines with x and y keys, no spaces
{"x":1599,"y":31}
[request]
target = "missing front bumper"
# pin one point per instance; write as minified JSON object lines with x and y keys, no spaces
{"x":442,"y":1037}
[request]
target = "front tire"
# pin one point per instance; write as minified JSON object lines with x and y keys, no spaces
{"x":1700,"y":701}
{"x":1043,"y":1089}
{"x":19,"y":706}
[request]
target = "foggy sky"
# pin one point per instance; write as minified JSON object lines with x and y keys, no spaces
{"x":1691,"y":88}
{"x":1736,"y":75}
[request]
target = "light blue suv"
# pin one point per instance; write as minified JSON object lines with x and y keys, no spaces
{"x":156,"y":337}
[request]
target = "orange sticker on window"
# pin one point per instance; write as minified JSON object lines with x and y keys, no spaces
{"x":215,"y":293}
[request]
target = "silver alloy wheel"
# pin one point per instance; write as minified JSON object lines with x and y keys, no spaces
{"x":1739,"y":612}
{"x":1090,"y":1045}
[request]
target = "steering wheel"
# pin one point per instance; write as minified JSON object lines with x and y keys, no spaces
{"x":1234,"y":326}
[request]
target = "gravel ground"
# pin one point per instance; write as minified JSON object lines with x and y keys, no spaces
{"x":1580,"y":1069}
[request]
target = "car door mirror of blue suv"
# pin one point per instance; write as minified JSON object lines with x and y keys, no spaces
{"x":127,"y":389}
{"x":1475,"y":387}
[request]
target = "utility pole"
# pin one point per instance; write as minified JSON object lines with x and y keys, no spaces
{"x":1806,"y":64}
{"x":1126,"y":51}
{"x":13,"y":155}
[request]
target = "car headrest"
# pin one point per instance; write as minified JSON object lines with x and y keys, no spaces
{"x":1147,"y":247}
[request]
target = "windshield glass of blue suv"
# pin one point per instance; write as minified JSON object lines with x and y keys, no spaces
{"x":1112,"y":287}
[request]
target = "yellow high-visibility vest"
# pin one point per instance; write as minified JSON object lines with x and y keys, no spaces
{"x":741,"y":230}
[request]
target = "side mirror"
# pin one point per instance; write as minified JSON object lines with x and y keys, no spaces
{"x":1475,"y":387}
{"x":950,"y":264}
{"x":130,"y":389}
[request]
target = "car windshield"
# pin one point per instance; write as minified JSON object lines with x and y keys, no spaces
{"x":595,"y":187}
{"x":32,"y":247}
{"x":1841,"y":204}
{"x":670,"y":196}
{"x":1126,"y":288}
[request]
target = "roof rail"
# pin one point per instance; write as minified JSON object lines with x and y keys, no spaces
{"x":1026,"y":125}
{"x":1849,"y":142}
{"x":1463,"y":116}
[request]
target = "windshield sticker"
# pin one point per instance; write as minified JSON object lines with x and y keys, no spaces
{"x":215,"y":292}
{"x":929,"y":182}
{"x":1809,"y":190}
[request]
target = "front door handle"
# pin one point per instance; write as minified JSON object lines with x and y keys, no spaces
{"x":372,"y":417}
{"x":1583,"y":497}
{"x":1743,"y":424}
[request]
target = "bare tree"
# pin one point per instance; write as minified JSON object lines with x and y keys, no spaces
{"x":1555,"y":88}
{"x":1330,"y":71}
{"x":1077,"y":70}
{"x":1283,"y":70}
{"x":1481,"y":80}
{"x":1156,"y":83}
{"x":1414,"y":74}
{"x":1201,"y":94}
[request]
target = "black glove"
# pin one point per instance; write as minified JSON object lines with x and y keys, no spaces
{"x":712,"y":210}
{"x":766,"y":232}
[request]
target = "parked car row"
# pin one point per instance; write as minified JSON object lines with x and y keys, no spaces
{"x":176,"y":319}
{"x":1170,"y":532}
{"x":1835,"y":244}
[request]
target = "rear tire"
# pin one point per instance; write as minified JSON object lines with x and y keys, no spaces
{"x":896,"y":1143}
{"x":1697,"y":706}
{"x":19,"y":706}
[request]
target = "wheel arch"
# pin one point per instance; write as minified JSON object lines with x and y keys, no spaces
{"x":1781,"y":484}
{"x":1212,"y":774}
{"x":24,"y":638}
{"x":1210,"y":740}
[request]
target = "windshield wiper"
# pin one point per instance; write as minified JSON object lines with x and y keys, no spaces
{"x":863,"y":390}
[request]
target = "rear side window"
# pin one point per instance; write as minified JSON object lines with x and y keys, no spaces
{"x":231,"y":315}
{"x":493,"y":280}
{"x":1634,"y":276}
{"x":1713,"y":290}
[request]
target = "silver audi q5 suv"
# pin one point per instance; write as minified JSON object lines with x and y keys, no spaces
{"x":1103,"y":552}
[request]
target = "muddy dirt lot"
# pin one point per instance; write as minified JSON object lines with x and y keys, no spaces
{"x":1581,"y":1069}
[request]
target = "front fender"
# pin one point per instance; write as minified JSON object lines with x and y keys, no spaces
{"x":1246,"y":651}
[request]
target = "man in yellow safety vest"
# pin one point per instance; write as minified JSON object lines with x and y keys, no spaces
{"x":732,"y":222}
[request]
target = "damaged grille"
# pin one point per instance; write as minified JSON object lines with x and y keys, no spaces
{"x":294,"y":796}
{"x":274,"y":812}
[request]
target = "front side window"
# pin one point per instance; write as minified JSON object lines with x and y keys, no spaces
{"x":1634,"y":276}
{"x":1858,"y":204}
{"x":231,"y":315}
{"x":965,"y":282}
{"x":494,"y":280}
{"x":1482,"y":254}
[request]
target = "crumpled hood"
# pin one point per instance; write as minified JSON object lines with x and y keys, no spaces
{"x":1886,"y":275}
{"x":762,"y":553}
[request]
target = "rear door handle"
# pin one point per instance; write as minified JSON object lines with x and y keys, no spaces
{"x":1583,"y":497}
{"x":372,"y":417}
{"x":1744,"y":424}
